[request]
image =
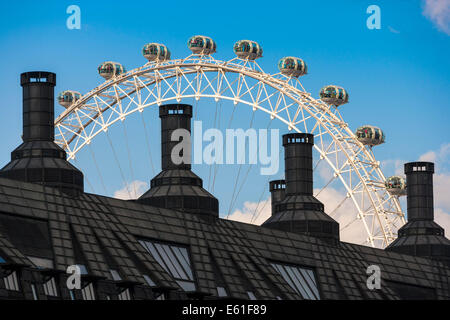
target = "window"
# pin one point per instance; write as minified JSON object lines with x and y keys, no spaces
{"x":149,"y":281}
{"x":83,"y":269}
{"x":302,"y":280}
{"x":125,"y":295}
{"x":115,"y":275}
{"x":221,"y":292}
{"x":11,"y":282}
{"x":161,"y":297}
{"x":251,"y":295}
{"x":175,"y":260}
{"x":33,"y":291}
{"x":88,"y":292}
{"x":50,"y":288}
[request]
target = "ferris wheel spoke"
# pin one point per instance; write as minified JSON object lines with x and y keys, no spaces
{"x":240,"y":81}
{"x":118,"y":165}
{"x":98,"y":169}
{"x":147,"y":141}
{"x":130,"y":162}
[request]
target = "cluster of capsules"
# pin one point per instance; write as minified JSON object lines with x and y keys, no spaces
{"x":291,"y":67}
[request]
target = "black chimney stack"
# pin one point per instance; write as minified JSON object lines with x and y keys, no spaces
{"x":176,"y":186}
{"x":298,"y":163}
{"x":419,"y":182}
{"x":38,"y":105}
{"x":421,"y":236}
{"x":277,"y":192}
{"x":38,"y":159}
{"x":173,"y":117}
{"x":300,"y":211}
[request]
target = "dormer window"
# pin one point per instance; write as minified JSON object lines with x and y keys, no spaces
{"x":125,"y":295}
{"x":301,"y":279}
{"x":175,"y":260}
{"x":87,"y":292}
{"x":50,"y":288}
{"x":11,"y":281}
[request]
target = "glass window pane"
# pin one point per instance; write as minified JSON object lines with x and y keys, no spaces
{"x":167,"y":261}
{"x":175,"y":263}
{"x":303,"y":284}
{"x":149,"y":281}
{"x":183,"y":262}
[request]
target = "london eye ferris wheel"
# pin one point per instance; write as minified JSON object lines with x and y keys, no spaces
{"x":349,"y":154}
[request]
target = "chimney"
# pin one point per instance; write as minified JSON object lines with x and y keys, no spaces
{"x":38,"y":159}
{"x":277,"y":192}
{"x":421,"y":236}
{"x":38,"y":105}
{"x":419,"y":182}
{"x":298,"y":163}
{"x":299,"y":211}
{"x":173,"y":117}
{"x":176,"y":186}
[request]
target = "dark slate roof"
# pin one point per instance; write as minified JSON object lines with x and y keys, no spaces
{"x":99,"y":231}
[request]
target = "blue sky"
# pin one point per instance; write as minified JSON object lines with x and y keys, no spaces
{"x":397,"y":77}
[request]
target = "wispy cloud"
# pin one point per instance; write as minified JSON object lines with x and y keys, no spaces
{"x":351,"y":230}
{"x":253,"y":212}
{"x":438,"y":11}
{"x":132,"y":190}
{"x":393,"y":30}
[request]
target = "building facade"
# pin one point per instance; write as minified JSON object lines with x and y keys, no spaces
{"x":171,"y":244}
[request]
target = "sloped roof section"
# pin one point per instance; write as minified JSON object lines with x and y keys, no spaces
{"x":104,"y":233}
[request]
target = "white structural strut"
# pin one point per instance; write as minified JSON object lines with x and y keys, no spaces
{"x":244,"y":82}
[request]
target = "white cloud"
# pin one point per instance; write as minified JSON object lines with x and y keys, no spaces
{"x":132,"y":190}
{"x":429,"y":156}
{"x":441,"y":190}
{"x":438,"y":11}
{"x":353,"y":230}
{"x":440,"y":156}
{"x":443,"y":219}
{"x":393,"y":30}
{"x":441,"y":185}
{"x":330,"y":197}
{"x":393,"y":164}
{"x":246,"y":214}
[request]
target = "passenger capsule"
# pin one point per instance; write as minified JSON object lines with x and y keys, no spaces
{"x":68,"y":97}
{"x":334,"y":95}
{"x":247,"y":49}
{"x":202,"y":45}
{"x":292,"y":67}
{"x":156,"y":52}
{"x":370,"y":135}
{"x":396,"y":186}
{"x":110,"y":69}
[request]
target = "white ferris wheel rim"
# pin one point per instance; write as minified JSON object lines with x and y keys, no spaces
{"x":160,"y":71}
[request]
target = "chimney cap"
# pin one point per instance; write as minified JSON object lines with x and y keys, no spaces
{"x":175,"y":109}
{"x":419,"y":166}
{"x":277,"y":185}
{"x":38,"y":76}
{"x":302,"y":138}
